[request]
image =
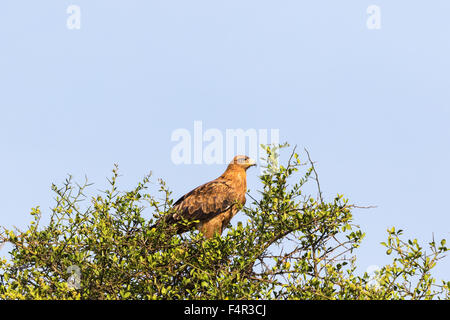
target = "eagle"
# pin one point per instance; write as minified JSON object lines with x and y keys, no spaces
{"x":211,"y":206}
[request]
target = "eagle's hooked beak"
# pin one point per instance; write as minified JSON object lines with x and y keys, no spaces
{"x":252,"y":163}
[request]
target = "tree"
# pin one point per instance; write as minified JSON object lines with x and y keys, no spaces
{"x":293,"y":246}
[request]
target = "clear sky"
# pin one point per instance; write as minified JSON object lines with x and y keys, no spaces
{"x":371,"y":105}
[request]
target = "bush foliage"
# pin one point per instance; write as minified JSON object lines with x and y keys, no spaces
{"x":293,"y":246}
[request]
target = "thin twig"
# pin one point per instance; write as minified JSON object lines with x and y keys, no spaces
{"x":316,"y":176}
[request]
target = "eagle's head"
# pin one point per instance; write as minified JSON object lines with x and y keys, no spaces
{"x":243,"y":162}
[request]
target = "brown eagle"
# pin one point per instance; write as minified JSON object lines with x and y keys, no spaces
{"x":213,"y":204}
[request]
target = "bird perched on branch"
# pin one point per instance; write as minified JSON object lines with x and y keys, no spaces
{"x":212,"y":204}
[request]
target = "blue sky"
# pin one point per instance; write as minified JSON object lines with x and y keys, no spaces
{"x":371,"y":106}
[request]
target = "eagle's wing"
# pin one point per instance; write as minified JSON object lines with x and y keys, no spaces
{"x":206,"y":202}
